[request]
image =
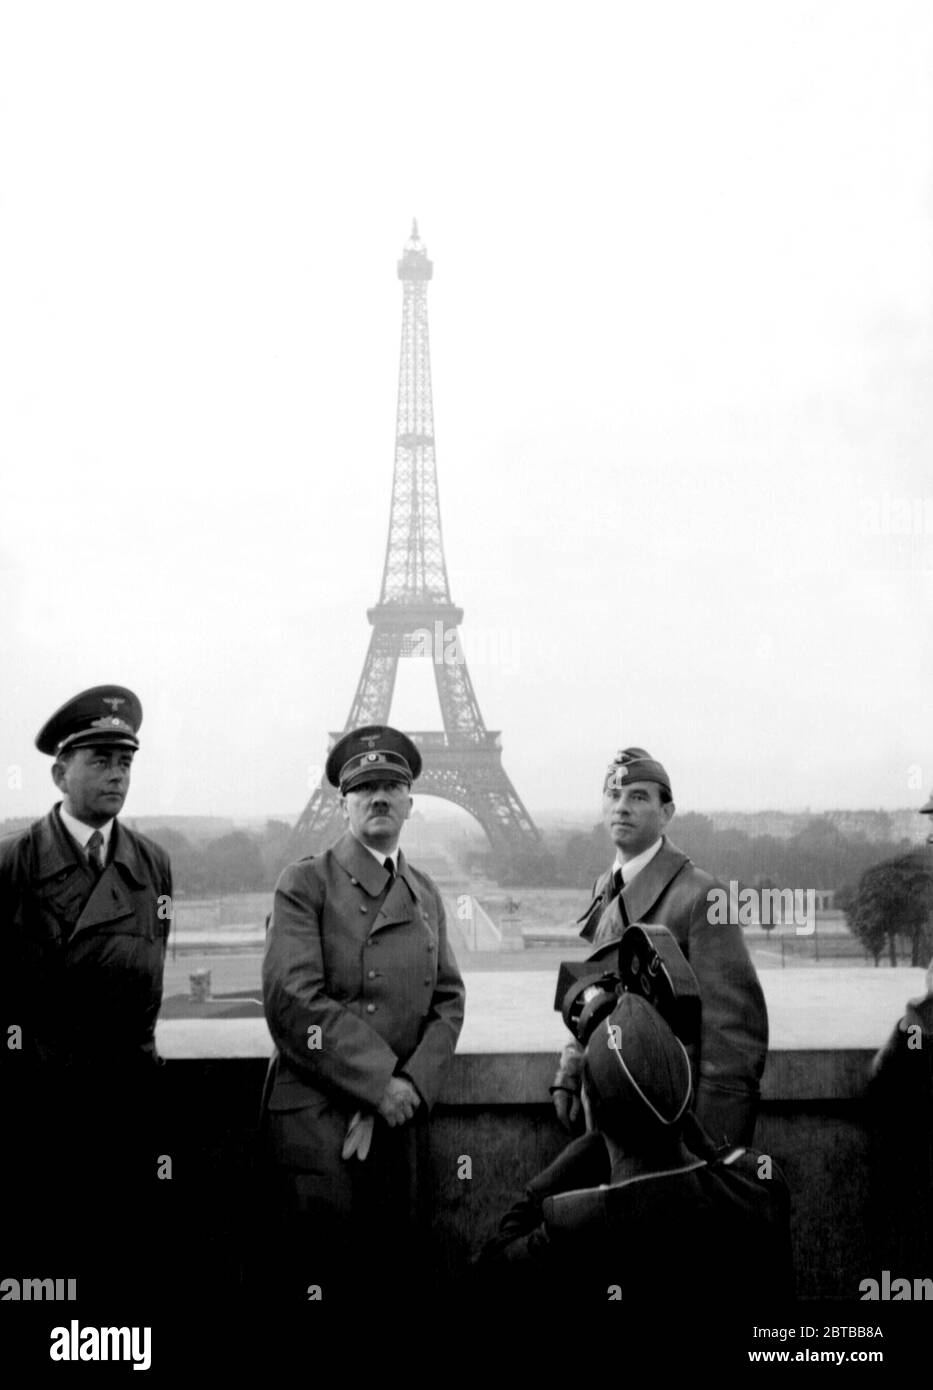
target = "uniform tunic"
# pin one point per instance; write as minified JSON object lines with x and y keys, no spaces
{"x":359,"y":984}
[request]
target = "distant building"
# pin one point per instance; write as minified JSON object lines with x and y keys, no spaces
{"x":881,"y":827}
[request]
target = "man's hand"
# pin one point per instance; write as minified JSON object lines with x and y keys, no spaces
{"x":568,"y":1108}
{"x":399,"y":1103}
{"x":566,"y":1088}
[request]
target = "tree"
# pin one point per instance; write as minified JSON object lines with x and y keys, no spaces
{"x":525,"y":867}
{"x":274,"y":849}
{"x":894,"y":898}
{"x":582,"y":857}
{"x":187,"y":873}
{"x":233,"y":863}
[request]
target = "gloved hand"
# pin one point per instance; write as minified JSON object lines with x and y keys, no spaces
{"x":359,"y":1136}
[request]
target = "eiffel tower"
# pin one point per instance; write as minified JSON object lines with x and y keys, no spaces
{"x":463,"y":763}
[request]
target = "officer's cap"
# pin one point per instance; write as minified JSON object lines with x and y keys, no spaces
{"x":635,"y":765}
{"x":374,"y":753}
{"x":637,"y":1072}
{"x":105,"y":715}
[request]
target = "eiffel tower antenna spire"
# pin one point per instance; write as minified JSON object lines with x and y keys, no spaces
{"x":463,"y":763}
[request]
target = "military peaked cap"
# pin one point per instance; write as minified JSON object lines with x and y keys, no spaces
{"x":374,"y":753}
{"x":105,"y":715}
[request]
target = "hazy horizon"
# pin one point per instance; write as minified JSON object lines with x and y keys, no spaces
{"x":436,"y":809}
{"x":681,"y":347}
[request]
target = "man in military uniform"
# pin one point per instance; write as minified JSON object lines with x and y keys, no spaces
{"x":85,"y":909}
{"x":627,"y":1212}
{"x":653,"y":882}
{"x":365,"y":1003}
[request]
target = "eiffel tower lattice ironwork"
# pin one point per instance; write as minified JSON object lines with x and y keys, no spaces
{"x":462,"y":764}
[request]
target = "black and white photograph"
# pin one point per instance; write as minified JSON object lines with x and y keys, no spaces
{"x":466,"y":786}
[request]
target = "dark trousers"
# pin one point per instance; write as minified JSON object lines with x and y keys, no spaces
{"x":359,"y":1230}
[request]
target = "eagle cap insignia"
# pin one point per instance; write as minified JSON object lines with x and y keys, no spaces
{"x":113,"y":701}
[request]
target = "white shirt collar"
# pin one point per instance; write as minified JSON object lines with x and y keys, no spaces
{"x":634,"y":866}
{"x":82,"y":833}
{"x":381,"y":858}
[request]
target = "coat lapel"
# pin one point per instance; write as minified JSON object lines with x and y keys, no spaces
{"x":360,"y":865}
{"x":371,"y":876}
{"x":55,"y":849}
{"x":399,"y":902}
{"x":123,"y":852}
{"x":589,"y":921}
{"x":401,"y":898}
{"x":110,"y":901}
{"x":605,"y":923}
{"x":111,"y":898}
{"x":645,"y":888}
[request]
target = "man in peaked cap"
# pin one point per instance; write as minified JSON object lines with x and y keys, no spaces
{"x":85,"y":909}
{"x":627,"y":1211}
{"x":364,"y":1002}
{"x":651,"y":881}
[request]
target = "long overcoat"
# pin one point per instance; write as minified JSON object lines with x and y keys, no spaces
{"x":81,"y":959}
{"x":359,"y":983}
{"x":672,"y":891}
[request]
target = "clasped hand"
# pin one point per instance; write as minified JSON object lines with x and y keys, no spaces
{"x":399,"y":1102}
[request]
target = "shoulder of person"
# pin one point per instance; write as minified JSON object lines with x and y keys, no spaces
{"x":16,"y":845}
{"x":306,"y":874}
{"x":568,"y":1212}
{"x":149,"y":850}
{"x":688,"y":872}
{"x":426,"y":882}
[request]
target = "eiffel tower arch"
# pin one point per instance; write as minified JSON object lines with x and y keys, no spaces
{"x":415,"y":617}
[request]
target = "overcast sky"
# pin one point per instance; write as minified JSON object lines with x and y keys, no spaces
{"x":681,"y":343}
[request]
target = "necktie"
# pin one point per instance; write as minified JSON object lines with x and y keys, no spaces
{"x":390,"y":869}
{"x":616,"y":892}
{"x":94,"y":848}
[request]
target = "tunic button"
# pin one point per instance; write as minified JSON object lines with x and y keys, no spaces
{"x":363,"y":907}
{"x":370,"y":1008}
{"x":370,"y":974}
{"x":355,"y":882}
{"x":428,"y":980}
